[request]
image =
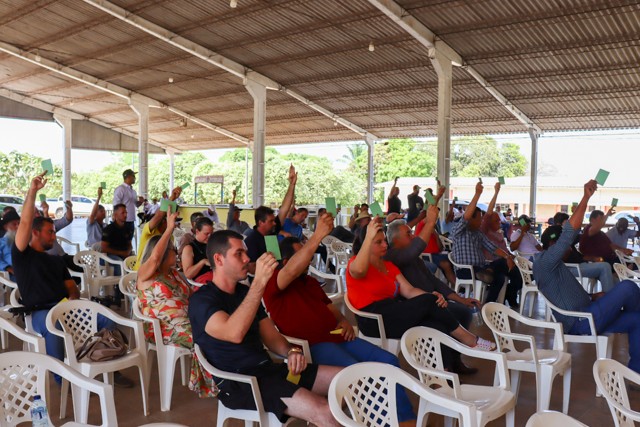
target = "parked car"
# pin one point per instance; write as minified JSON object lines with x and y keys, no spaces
{"x":81,"y":206}
{"x":629,"y":215}
{"x":9,"y":200}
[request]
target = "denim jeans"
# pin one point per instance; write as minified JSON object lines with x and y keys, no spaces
{"x":601,"y":271}
{"x":53,"y":343}
{"x":351,"y":352}
{"x":617,"y":311}
{"x":500,"y":272}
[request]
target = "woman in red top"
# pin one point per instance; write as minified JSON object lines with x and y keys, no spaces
{"x":377,"y":286}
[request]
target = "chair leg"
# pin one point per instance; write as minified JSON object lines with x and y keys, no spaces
{"x":81,"y":404}
{"x":184,"y":368}
{"x":544,"y":383}
{"x":515,"y":382}
{"x":144,"y":385}
{"x":64,"y":393}
{"x":566,"y":390}
{"x":510,"y":418}
{"x":166,"y":373}
{"x":423,"y":415}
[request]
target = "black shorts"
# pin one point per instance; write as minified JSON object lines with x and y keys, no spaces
{"x":273,"y":385}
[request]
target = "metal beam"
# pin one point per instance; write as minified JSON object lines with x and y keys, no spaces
{"x":215,"y":58}
{"x":431,"y":41}
{"x":371,"y":145}
{"x":105,"y":86}
{"x":36,"y":103}
{"x":67,"y":127}
{"x":444,"y":69}
{"x":533,"y":188}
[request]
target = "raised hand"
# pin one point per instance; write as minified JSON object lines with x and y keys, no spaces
{"x":265,"y":266}
{"x":372,"y":229}
{"x":479,"y":188}
{"x":432,"y":215}
{"x":590,"y":188}
{"x":497,"y":187}
{"x":171,"y":218}
{"x":38,"y":182}
{"x":293,"y":175}
{"x":324,"y":225}
{"x":175,"y":193}
{"x":99,"y":192}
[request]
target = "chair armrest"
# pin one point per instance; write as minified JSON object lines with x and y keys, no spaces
{"x":430,"y":377}
{"x":579,"y":314}
{"x":558,"y":341}
{"x":306,"y":349}
{"x":108,"y":260}
{"x":7,"y":282}
{"x":157,"y":331}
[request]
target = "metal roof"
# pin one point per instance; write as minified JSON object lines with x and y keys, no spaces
{"x":568,"y":65}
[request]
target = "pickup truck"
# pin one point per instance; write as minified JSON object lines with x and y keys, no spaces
{"x":81,"y":206}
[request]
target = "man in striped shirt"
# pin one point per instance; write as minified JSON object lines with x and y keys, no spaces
{"x":616,"y":311}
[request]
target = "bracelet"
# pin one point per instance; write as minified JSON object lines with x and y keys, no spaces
{"x":295,"y":350}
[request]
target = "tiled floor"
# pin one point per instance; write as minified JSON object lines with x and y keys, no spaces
{"x":187,"y":409}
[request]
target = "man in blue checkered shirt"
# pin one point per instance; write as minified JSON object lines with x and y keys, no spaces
{"x":618,"y":310}
{"x":468,"y":242}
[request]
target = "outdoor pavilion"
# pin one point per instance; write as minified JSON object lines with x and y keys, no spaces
{"x":189,"y":74}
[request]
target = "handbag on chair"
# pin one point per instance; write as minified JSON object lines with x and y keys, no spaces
{"x":103,"y":345}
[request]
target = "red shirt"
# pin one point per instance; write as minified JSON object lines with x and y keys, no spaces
{"x":598,"y":245}
{"x":300,"y":310}
{"x":374,"y":286}
{"x":432,"y":245}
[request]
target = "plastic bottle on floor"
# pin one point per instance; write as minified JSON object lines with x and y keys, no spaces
{"x":39,"y":414}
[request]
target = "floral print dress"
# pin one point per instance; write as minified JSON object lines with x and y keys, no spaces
{"x":167,"y":300}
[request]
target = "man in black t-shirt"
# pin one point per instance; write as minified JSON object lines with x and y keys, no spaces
{"x":416,"y":203}
{"x":116,"y":237}
{"x":230,"y":326}
{"x":394,"y":204}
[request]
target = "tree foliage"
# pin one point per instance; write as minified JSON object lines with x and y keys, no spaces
{"x":481,"y":156}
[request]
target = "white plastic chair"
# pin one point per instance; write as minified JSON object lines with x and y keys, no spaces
{"x":336,"y":278}
{"x":95,"y":274}
{"x":624,"y":273}
{"x":390,"y":344}
{"x":250,"y":416}
{"x":603,"y":343}
{"x":447,"y":244}
{"x":326,"y":242}
{"x":475,"y":284}
{"x":79,"y":321}
{"x":368,"y":390}
{"x":24,"y":374}
{"x":5,"y":283}
{"x":528,"y":283}
{"x":553,"y":419}
{"x":627,"y":259}
{"x":130,"y":263}
{"x":127,"y":286}
{"x":342,"y":253}
{"x":167,"y":356}
{"x":62,"y":240}
{"x":610,"y":376}
{"x":545,"y":363}
{"x":590,"y":283}
{"x":421,"y":347}
{"x":34,"y":341}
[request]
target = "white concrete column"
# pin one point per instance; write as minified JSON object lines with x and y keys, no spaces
{"x":443,"y":68}
{"x":533,"y":189}
{"x":67,"y":125}
{"x":370,"y":168}
{"x":172,"y":168}
{"x":142,"y":110}
{"x":259,"y":94}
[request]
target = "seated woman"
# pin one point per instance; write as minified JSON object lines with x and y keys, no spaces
{"x":194,"y":255}
{"x":162,"y":292}
{"x":377,"y":286}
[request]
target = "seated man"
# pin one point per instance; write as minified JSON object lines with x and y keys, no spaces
{"x":404,"y":251}
{"x":590,"y":266}
{"x":300,"y":308}
{"x":43,"y":279}
{"x":267,"y":223}
{"x":9,"y":225}
{"x":293,"y":225}
{"x":616,"y":311}
{"x":233,"y":217}
{"x":231,"y":327}
{"x":523,"y":241}
{"x":95,"y":222}
{"x":357,"y":211}
{"x":595,"y":243}
{"x":116,"y":237}
{"x":620,"y":234}
{"x":212,"y":214}
{"x":468,"y":243}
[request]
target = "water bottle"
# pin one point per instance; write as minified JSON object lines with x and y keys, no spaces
{"x":477,"y":315}
{"x":39,"y":415}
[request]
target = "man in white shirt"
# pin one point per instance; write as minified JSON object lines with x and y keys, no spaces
{"x":523,"y":241}
{"x":126,"y":195}
{"x":620,"y":234}
{"x":212,"y":214}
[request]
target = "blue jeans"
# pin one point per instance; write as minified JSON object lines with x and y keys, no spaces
{"x":351,"y":352}
{"x":601,"y":271}
{"x":53,"y":343}
{"x":617,"y":311}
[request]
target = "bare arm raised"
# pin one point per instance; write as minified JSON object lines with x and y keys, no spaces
{"x":23,"y":235}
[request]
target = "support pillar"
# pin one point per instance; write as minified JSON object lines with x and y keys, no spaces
{"x":533,"y":189}
{"x":443,"y":67}
{"x":259,"y":94}
{"x":370,"y":168}
{"x":67,"y":125}
{"x":142,"y":111}
{"x":172,"y":168}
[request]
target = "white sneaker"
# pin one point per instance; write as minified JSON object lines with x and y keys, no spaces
{"x":482,"y":344}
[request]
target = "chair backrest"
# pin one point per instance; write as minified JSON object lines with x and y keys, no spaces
{"x":447,"y":244}
{"x":62,"y":240}
{"x":624,"y":273}
{"x":553,"y":419}
{"x":338,"y":279}
{"x":130,"y":263}
{"x":625,"y":259}
{"x":89,"y":261}
{"x":497,"y":318}
{"x":369,"y":392}
{"x":36,"y":341}
{"x":526,"y":270}
{"x":128,"y":283}
{"x":8,"y":282}
{"x":342,"y":251}
{"x":78,"y":321}
{"x":23,"y":375}
{"x":461,"y":266}
{"x":154,"y":322}
{"x":610,"y":376}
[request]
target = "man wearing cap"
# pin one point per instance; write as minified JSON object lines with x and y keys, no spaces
{"x":416,"y":203}
{"x":126,"y":195}
{"x":9,"y":225}
{"x":211,"y":213}
{"x":233,"y":217}
{"x":616,"y":311}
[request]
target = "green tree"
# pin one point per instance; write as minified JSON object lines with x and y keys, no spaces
{"x":17,"y":169}
{"x":481,"y":156}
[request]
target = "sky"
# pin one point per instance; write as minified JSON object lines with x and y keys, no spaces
{"x":566,"y":154}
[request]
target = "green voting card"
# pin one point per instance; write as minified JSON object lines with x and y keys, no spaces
{"x":165,"y":203}
{"x":330,"y":203}
{"x":185,"y":185}
{"x":501,"y":180}
{"x":455,"y":199}
{"x":602,"y":176}
{"x":47,"y":166}
{"x":574,"y":204}
{"x":614,"y":202}
{"x":480,"y":179}
{"x":376,"y":210}
{"x":430,"y":199}
{"x":522,"y":222}
{"x":43,"y":198}
{"x":103,"y":185}
{"x":273,"y":246}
